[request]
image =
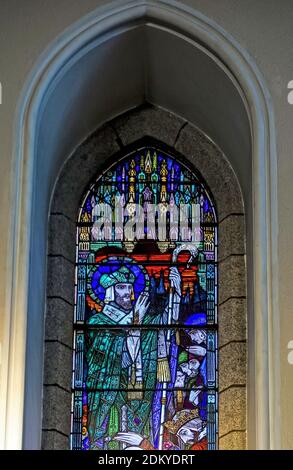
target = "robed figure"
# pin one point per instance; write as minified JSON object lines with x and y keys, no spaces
{"x":125,"y":365}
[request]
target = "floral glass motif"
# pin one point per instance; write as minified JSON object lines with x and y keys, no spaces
{"x":145,"y":320}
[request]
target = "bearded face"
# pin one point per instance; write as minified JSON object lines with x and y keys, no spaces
{"x":123,"y":294}
{"x":190,"y":368}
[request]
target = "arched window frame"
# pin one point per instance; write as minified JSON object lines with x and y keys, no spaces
{"x":203,"y":254}
{"x":207,"y":158}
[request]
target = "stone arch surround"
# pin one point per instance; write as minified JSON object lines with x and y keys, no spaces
{"x":64,"y":99}
{"x":79,"y":170}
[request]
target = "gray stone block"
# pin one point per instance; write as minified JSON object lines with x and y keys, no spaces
{"x":62,"y":236}
{"x":148,"y":121}
{"x":60,"y":278}
{"x":214,"y":168}
{"x":232,"y":278}
{"x":58,"y":365}
{"x":59,"y":321}
{"x":81,"y":168}
{"x":232,"y":365}
{"x":56,"y":409}
{"x":232,"y":321}
{"x":53,"y":440}
{"x":232,"y":410}
{"x":231,"y":236}
{"x":233,"y":441}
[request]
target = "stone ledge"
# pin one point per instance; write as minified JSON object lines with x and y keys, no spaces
{"x":148,"y":121}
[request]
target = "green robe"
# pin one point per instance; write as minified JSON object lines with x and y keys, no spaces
{"x":107,"y":380}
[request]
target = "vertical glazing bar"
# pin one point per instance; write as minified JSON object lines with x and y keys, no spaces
{"x":211,"y":421}
{"x":79,"y":350}
{"x":211,"y":359}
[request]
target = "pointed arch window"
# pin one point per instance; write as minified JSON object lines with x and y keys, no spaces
{"x":145,"y":319}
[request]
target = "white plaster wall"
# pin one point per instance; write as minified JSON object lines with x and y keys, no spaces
{"x":263,"y":27}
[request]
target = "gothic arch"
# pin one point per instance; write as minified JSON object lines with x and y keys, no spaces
{"x":37,"y":165}
{"x":86,"y":162}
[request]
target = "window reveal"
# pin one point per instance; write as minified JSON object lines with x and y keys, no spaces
{"x":145,"y":321}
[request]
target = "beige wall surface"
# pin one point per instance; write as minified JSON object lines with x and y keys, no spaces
{"x":263,"y":27}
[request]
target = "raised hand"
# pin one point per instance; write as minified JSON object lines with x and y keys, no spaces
{"x":141,"y":306}
{"x":194,"y":396}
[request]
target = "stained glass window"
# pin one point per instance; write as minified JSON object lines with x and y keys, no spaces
{"x":145,"y":319}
